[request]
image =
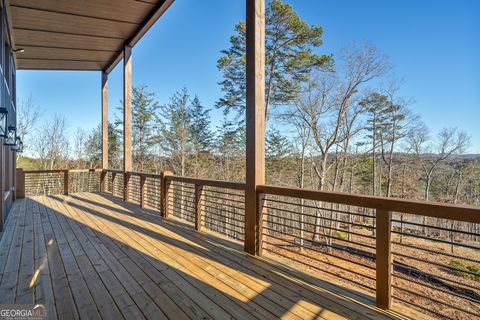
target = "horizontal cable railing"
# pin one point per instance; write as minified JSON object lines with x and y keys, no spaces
{"x":48,"y":182}
{"x":84,"y":180}
{"x":212,"y":205}
{"x":336,"y":240}
{"x":425,"y":256}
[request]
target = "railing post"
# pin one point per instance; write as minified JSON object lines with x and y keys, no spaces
{"x":199,"y":203}
{"x":20,"y":184}
{"x":261,"y":200}
{"x":143,"y":179}
{"x":103,"y":180}
{"x":65,"y":182}
{"x":126,"y":184}
{"x":165,"y":193}
{"x":383,"y":259}
{"x":113,"y":183}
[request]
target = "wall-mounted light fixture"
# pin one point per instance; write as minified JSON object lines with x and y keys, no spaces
{"x":10,"y":136}
{"x":3,"y":122}
{"x":18,"y":145}
{"x":19,"y":50}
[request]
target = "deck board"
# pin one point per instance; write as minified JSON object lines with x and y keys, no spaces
{"x":91,"y":256}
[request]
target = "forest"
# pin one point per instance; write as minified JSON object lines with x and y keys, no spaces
{"x":334,"y":123}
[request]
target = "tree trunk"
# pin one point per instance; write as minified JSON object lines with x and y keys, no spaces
{"x":321,"y":186}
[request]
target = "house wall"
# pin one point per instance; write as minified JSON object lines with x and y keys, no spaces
{"x":8,"y":101}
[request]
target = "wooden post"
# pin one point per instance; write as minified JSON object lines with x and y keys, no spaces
{"x":65,"y":182}
{"x":262,"y":202}
{"x":20,"y":184}
{"x":143,"y":179}
{"x":255,"y":118}
{"x":383,"y":259}
{"x":199,"y":205}
{"x":103,"y":180}
{"x":104,"y":120}
{"x":126,"y":185}
{"x":127,"y":108}
{"x":165,"y":194}
{"x":113,"y":183}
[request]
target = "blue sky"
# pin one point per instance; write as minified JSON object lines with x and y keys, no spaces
{"x":434,"y":44}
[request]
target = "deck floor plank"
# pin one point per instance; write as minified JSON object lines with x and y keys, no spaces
{"x":236,"y":280}
{"x":100,"y":296}
{"x":25,"y":288}
{"x":219,"y":292}
{"x":91,"y":256}
{"x":83,"y":299}
{"x":148,"y":286}
{"x":204,"y":285}
{"x":42,"y":278}
{"x":8,"y":284}
{"x":114,"y":286}
{"x":8,"y":234}
{"x":64,"y":302}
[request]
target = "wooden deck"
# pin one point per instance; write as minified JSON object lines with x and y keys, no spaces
{"x":92,"y":256}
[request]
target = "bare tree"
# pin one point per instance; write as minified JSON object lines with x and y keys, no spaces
{"x":28,"y":114}
{"x":430,"y":154}
{"x":303,"y":140}
{"x":80,"y":142}
{"x":330,"y":97}
{"x":51,"y":144}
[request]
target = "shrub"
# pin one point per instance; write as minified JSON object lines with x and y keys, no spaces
{"x":462,"y":268}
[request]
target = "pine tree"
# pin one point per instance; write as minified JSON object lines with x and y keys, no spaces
{"x":94,"y":146}
{"x":230,"y":148}
{"x":200,"y":134}
{"x":175,"y":129}
{"x":278,"y":150}
{"x":144,"y":108}
{"x":375,"y":105}
{"x":290,"y":58}
{"x":277,"y":145}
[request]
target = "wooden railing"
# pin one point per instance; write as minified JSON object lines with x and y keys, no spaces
{"x":422,"y":255}
{"x":207,"y":204}
{"x":45,"y":182}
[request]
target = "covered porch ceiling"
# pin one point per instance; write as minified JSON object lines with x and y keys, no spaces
{"x":78,"y":35}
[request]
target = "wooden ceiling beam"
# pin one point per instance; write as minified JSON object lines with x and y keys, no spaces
{"x":29,"y":46}
{"x":119,"y":10}
{"x":91,"y":34}
{"x":41,"y":38}
{"x":47,"y":11}
{"x":69,"y":33}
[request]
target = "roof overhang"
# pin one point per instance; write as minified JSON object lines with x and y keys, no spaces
{"x":78,"y":35}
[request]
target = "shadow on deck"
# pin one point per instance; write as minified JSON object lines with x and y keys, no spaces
{"x":92,"y":256}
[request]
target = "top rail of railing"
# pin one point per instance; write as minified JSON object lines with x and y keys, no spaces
{"x":431,"y":209}
{"x":209,"y":182}
{"x":61,"y":171}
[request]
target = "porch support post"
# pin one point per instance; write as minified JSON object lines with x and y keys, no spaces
{"x":127,"y":114}
{"x":255,"y":120}
{"x":103,"y":174}
{"x":104,"y":120}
